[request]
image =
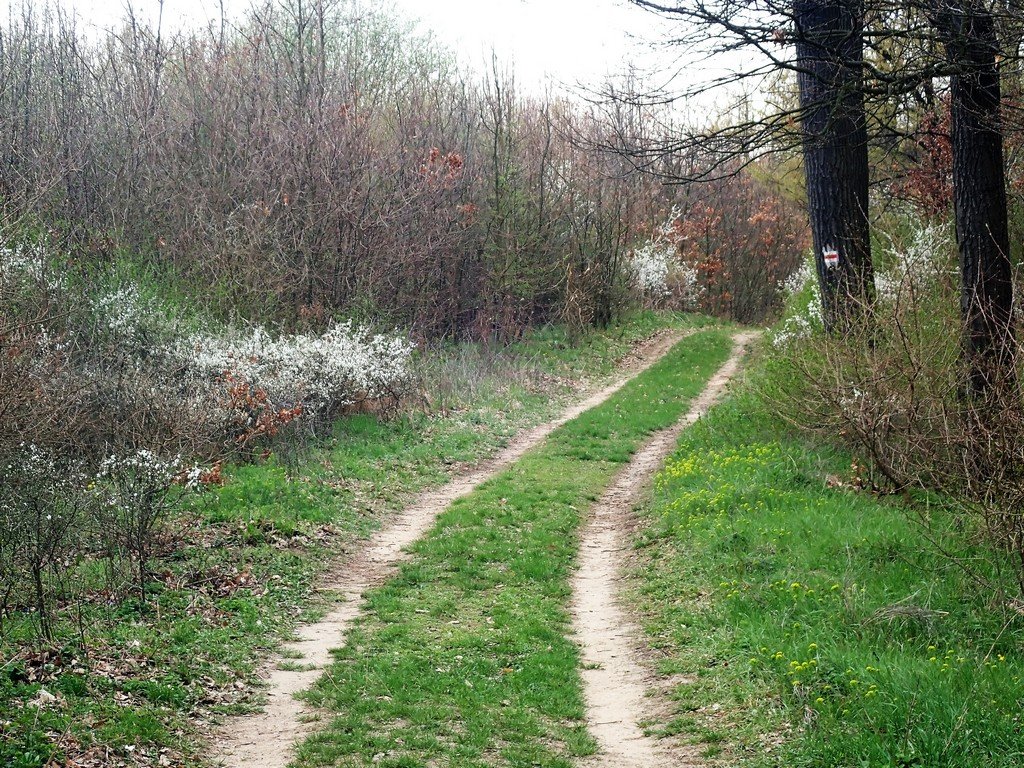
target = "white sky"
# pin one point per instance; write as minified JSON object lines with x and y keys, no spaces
{"x":567,"y":41}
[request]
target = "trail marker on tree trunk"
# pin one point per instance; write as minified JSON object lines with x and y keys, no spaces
{"x":830,"y":63}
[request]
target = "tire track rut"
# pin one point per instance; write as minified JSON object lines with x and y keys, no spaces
{"x":613,"y":671}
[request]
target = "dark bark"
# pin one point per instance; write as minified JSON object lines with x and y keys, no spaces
{"x":830,"y":54}
{"x":979,"y":191}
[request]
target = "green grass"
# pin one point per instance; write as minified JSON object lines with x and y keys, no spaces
{"x":242,"y":568}
{"x":462,"y":659}
{"x":813,"y":625}
{"x":555,"y":351}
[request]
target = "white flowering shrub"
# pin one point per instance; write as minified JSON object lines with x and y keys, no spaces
{"x":800,"y":325}
{"x":135,"y":495}
{"x":321,"y":373}
{"x":103,"y":399}
{"x":28,"y":262}
{"x":253,"y":384}
{"x":123,"y":312}
{"x":41,"y":504}
{"x":118,"y":362}
{"x":805,"y":316}
{"x":916,"y":266}
{"x":802,"y":277}
{"x":211,"y":394}
{"x":659,"y":273}
{"x":650,"y":265}
{"x":911,"y":269}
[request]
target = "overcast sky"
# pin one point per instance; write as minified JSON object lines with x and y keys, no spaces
{"x":567,"y":40}
{"x":562,"y":43}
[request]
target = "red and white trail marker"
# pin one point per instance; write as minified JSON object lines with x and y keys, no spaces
{"x":831,"y":256}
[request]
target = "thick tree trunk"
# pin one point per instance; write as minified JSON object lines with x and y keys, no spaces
{"x":830,"y":54}
{"x":979,"y":192}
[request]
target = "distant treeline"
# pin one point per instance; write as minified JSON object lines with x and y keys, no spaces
{"x":320,"y":159}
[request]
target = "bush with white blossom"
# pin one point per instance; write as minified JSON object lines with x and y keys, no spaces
{"x":916,"y":266}
{"x":41,"y":504}
{"x":119,"y":400}
{"x":658,"y":272}
{"x":804,"y":297}
{"x":27,"y":262}
{"x":123,"y":312}
{"x":319,"y":372}
{"x":799,"y":279}
{"x":910,"y":269}
{"x":135,"y":494}
{"x":650,"y":264}
{"x":203,"y":391}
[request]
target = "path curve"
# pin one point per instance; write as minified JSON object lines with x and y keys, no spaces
{"x":267,"y":739}
{"x":613,"y":673}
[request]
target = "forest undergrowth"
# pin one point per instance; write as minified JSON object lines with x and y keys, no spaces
{"x":825,"y":573}
{"x":804,"y":620}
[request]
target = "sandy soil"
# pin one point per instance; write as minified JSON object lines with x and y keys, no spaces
{"x":267,"y":739}
{"x":614,"y":675}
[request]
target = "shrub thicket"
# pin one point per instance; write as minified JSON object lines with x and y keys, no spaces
{"x":896,"y":391}
{"x":109,"y":397}
{"x":317,"y":159}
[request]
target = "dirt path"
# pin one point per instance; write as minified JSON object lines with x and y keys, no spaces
{"x":267,"y":739}
{"x":613,"y":673}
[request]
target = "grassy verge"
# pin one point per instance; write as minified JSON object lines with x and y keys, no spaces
{"x":814,"y":625}
{"x":126,"y":684}
{"x":462,"y":659}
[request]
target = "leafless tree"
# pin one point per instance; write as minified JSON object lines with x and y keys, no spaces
{"x":858,"y":63}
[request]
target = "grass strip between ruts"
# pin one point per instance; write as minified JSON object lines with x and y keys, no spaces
{"x":462,"y":659}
